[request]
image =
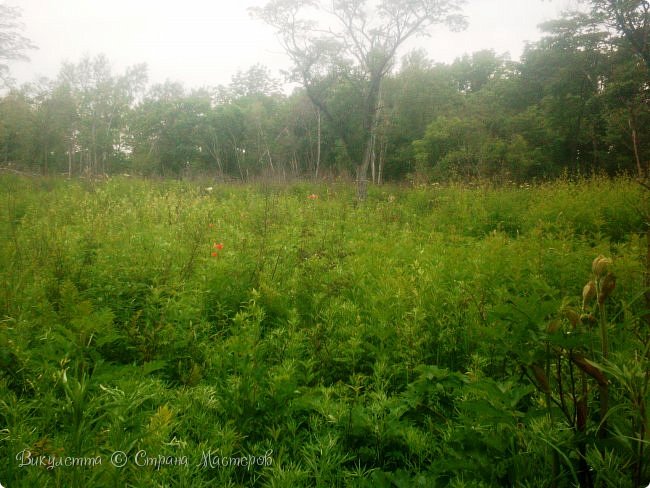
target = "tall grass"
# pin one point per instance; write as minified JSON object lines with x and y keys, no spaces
{"x":374,"y":344}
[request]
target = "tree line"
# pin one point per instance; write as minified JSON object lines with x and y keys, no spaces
{"x":577,"y":101}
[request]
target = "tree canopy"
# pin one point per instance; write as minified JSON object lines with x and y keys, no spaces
{"x":355,"y":42}
{"x":13,"y":44}
{"x":576,"y":101}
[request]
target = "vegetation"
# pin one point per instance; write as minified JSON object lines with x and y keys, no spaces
{"x":576,"y":101}
{"x":212,"y":304}
{"x":432,"y":336}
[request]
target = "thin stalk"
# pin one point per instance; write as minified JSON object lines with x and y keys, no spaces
{"x":555,"y":467}
{"x":604,"y":388}
{"x":603,"y":330}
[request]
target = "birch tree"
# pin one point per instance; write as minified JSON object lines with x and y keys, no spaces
{"x":355,"y":39}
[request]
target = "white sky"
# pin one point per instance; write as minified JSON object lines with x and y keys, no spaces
{"x":205,"y":42}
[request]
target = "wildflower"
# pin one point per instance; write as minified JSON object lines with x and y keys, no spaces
{"x":214,"y":254}
{"x":313,"y":196}
{"x":218,"y":246}
{"x":588,"y":293}
{"x":606,"y":287}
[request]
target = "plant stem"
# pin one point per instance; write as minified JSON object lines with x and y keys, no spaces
{"x":603,"y":330}
{"x":603,"y":389}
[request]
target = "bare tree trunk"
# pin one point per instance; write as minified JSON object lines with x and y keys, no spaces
{"x":93,"y":156}
{"x":219,"y":168}
{"x":635,"y":146}
{"x":373,"y":157}
{"x":45,"y":160}
{"x":370,"y":124}
{"x":382,"y":156}
{"x":70,"y":155}
{"x":362,"y":173}
{"x":213,"y":149}
{"x":238,"y":159}
{"x":318,"y":141}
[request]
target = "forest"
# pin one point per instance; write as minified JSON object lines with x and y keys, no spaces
{"x":577,"y":101}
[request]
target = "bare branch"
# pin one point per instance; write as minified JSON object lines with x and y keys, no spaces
{"x":359,"y":40}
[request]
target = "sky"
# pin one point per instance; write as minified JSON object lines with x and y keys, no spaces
{"x":205,"y":42}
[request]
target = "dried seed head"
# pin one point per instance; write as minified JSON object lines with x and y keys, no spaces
{"x":600,"y":266}
{"x":588,"y":293}
{"x":606,"y":287}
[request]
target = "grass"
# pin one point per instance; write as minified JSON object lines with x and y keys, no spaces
{"x":378,"y":344}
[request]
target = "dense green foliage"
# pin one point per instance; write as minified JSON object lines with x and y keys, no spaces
{"x":426,"y":337}
{"x":577,"y":100}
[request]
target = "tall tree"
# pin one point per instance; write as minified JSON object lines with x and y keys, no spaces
{"x":358,"y":39}
{"x":411,"y":99}
{"x":472,"y":73}
{"x":631,"y":19}
{"x":103,"y":101}
{"x":12,"y":43}
{"x":566,"y":68}
{"x":16,"y":122}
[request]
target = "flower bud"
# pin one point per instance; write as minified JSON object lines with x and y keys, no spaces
{"x":600,"y":265}
{"x":606,"y":287}
{"x":588,"y":293}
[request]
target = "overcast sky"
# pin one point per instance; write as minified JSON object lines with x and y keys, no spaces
{"x":205,"y":42}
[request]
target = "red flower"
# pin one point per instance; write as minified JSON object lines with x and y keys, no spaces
{"x":217,"y":246}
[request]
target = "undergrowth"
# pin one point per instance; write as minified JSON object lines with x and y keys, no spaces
{"x":422,"y":338}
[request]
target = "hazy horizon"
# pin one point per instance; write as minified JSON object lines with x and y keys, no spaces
{"x":205,"y":43}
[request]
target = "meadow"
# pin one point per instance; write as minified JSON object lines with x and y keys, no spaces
{"x":160,"y":333}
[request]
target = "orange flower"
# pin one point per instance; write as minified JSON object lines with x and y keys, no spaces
{"x":214,"y":254}
{"x":313,"y":196}
{"x":218,"y":246}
